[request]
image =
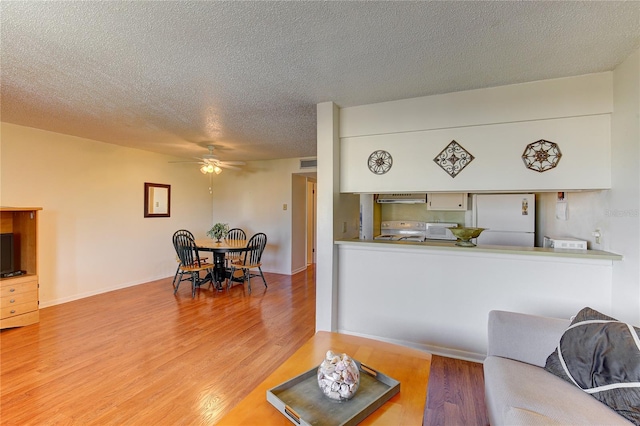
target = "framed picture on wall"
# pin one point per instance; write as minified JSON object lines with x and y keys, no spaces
{"x":157,"y":200}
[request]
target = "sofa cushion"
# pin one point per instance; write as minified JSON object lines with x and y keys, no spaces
{"x":523,"y":337}
{"x":523,"y":417}
{"x":601,"y":356}
{"x":521,"y":393}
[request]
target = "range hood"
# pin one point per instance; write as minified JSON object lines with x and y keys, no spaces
{"x":405,"y":198}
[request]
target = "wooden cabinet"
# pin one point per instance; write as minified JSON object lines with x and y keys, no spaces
{"x":19,"y":295}
{"x":450,"y":201}
{"x":19,"y":301}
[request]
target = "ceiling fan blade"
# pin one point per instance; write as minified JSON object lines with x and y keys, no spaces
{"x":212,"y":160}
{"x":227,"y":166}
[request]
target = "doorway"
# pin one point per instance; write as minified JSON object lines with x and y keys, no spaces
{"x":311,"y":220}
{"x":303,"y":221}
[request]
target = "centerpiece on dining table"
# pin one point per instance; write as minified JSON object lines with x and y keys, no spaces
{"x":218,"y":231}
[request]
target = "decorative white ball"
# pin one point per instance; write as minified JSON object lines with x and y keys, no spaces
{"x":338,"y":376}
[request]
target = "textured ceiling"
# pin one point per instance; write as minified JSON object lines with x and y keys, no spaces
{"x":172,"y":77}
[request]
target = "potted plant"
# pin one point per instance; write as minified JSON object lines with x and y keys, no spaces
{"x":218,"y":231}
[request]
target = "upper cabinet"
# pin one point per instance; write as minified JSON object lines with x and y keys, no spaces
{"x":456,"y":201}
{"x":475,"y":141}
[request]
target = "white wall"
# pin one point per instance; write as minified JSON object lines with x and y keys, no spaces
{"x":93,"y":236}
{"x":337,"y":216}
{"x":494,"y":125}
{"x":615,"y":212}
{"x":586,"y":212}
{"x":252,"y":199}
{"x":497,"y":164}
{"x":328,"y":117}
{"x":539,"y":100}
{"x":623,"y":208}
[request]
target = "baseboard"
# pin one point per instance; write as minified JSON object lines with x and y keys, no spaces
{"x":434,"y":350}
{"x":304,"y":268}
{"x":118,"y":287}
{"x":95,"y":292}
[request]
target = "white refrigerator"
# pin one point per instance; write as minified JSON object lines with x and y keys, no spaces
{"x":509,"y":219}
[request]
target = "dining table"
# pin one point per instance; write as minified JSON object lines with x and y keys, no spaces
{"x":220,"y":249}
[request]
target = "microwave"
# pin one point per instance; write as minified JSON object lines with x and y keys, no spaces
{"x":440,"y":231}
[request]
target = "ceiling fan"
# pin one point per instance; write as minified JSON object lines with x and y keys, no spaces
{"x":211,"y":164}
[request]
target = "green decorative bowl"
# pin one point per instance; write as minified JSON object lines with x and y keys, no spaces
{"x":464,"y":235}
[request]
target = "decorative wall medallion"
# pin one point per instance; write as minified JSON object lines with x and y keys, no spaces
{"x":453,"y":158}
{"x":541,"y":155}
{"x":380,"y":162}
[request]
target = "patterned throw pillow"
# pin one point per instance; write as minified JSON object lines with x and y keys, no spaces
{"x":601,"y":356}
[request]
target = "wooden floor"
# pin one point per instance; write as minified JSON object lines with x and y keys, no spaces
{"x":142,"y":356}
{"x":456,"y":393}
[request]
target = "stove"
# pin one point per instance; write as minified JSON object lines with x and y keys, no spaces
{"x":402,"y":230}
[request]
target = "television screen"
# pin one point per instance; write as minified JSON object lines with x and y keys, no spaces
{"x":6,"y":253}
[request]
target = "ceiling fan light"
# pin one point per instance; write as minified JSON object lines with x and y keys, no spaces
{"x":203,"y":169}
{"x":217,"y":169}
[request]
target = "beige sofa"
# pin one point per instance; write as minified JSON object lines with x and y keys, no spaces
{"x":519,"y":391}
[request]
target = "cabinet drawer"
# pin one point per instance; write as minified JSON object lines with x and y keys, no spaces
{"x":18,"y":309}
{"x":18,"y":299}
{"x":12,"y":287}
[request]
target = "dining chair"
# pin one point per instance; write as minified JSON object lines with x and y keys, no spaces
{"x":250,"y":258}
{"x":204,"y":259}
{"x":190,"y":261}
{"x":175,"y":234}
{"x":235,"y":234}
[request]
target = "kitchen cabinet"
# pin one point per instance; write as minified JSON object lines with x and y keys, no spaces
{"x":19,"y":295}
{"x":449,"y":201}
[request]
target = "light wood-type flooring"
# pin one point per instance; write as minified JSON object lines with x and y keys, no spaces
{"x":142,"y":356}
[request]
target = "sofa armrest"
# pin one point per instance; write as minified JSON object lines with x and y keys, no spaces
{"x":524,"y":337}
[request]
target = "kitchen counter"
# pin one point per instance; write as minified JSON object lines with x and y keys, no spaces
{"x":450,"y":245}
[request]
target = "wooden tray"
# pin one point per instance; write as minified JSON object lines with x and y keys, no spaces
{"x":303,"y":403}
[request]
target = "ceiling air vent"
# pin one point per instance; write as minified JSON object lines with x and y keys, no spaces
{"x":309,"y":163}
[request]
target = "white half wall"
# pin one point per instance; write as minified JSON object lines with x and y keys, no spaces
{"x":439,"y":300}
{"x":93,"y":237}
